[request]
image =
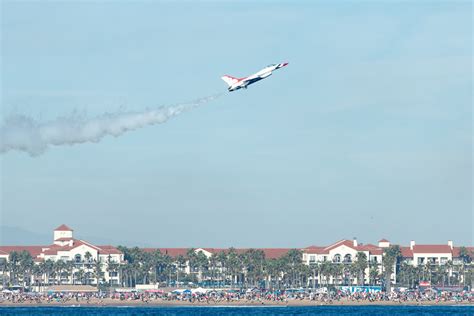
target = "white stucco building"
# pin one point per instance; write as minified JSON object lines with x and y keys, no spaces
{"x":82,"y":258}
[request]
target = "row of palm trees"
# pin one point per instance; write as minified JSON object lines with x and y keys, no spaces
{"x":21,"y":269}
{"x":246,"y":269}
{"x":232,"y":268}
{"x":251,"y":268}
{"x":444,"y":274}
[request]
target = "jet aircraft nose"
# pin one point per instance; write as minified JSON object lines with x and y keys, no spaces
{"x":284,"y":64}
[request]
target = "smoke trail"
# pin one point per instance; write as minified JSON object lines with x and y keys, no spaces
{"x":23,"y":133}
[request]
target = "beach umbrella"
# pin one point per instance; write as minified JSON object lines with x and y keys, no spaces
{"x":199,"y":290}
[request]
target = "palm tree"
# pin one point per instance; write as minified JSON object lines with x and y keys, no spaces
{"x":180,"y":263}
{"x":253,"y":266}
{"x":442,"y":272}
{"x":374,"y":274}
{"x":465,"y":255}
{"x":354,"y":273}
{"x":112,"y":268}
{"x":13,"y":263}
{"x":326,"y":270}
{"x":337,"y":271}
{"x":202,"y":264}
{"x":232,"y":263}
{"x":272,"y":272}
{"x":419,"y":273}
{"x":294,"y":261}
{"x":406,"y":274}
{"x":222,"y":260}
{"x":26,"y":266}
{"x":315,"y":269}
{"x":79,"y":275}
{"x":3,"y":268}
{"x":360,"y":266}
{"x":59,"y":266}
{"x":70,"y":269}
{"x":305,"y":273}
{"x":428,"y":271}
{"x":167,"y":268}
{"x":49,"y":270}
{"x":145,"y":266}
{"x":127,"y":272}
{"x":157,"y":260}
{"x":391,"y":257}
{"x":191,"y":258}
{"x":213,"y":261}
{"x":466,"y":258}
{"x":449,"y":270}
{"x":38,"y":271}
{"x":98,"y":271}
{"x":88,"y":257}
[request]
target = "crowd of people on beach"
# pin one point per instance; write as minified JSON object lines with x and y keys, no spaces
{"x":251,"y":297}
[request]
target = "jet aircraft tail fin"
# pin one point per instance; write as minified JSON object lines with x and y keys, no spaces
{"x":229,"y":80}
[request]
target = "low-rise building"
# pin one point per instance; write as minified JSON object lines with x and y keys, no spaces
{"x":81,"y":259}
{"x":74,"y":261}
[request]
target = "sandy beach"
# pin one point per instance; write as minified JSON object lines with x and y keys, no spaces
{"x":159,"y":302}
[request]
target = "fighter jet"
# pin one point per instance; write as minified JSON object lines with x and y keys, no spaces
{"x":242,"y":83}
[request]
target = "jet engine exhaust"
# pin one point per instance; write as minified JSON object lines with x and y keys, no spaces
{"x":26,"y":134}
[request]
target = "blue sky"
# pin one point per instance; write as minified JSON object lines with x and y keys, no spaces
{"x":367,"y":133}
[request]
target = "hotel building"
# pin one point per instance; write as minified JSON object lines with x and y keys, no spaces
{"x":82,"y":254}
{"x":85,"y":257}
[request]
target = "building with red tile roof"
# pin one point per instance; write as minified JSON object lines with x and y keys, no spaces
{"x":63,"y":227}
{"x":270,"y":253}
{"x":67,"y":248}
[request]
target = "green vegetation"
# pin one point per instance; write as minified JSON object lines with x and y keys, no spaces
{"x":230,"y":268}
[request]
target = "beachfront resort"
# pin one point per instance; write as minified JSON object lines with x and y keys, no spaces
{"x":73,"y":262}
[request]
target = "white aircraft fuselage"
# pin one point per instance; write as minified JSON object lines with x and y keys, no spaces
{"x":242,"y":83}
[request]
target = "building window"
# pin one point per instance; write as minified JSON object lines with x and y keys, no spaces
{"x":77,"y":258}
{"x":347,"y":258}
{"x":312,"y":258}
{"x":337,"y":258}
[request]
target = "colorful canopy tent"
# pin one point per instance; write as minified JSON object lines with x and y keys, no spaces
{"x":154,"y":291}
{"x":182,"y":291}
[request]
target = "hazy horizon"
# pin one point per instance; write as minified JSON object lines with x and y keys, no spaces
{"x":366,"y":133}
{"x":15,"y":236}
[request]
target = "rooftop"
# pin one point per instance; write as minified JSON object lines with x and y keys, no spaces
{"x":64,"y":227}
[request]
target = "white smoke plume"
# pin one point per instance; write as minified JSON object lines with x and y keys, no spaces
{"x":24,"y":133}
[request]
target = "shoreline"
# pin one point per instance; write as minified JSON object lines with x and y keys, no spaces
{"x":292,"y":303}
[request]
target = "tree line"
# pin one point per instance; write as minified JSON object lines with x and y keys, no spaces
{"x":232,"y":268}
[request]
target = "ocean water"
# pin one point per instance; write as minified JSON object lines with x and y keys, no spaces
{"x":265,"y":311}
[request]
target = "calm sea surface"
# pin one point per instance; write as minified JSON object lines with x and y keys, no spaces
{"x":307,"y":310}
